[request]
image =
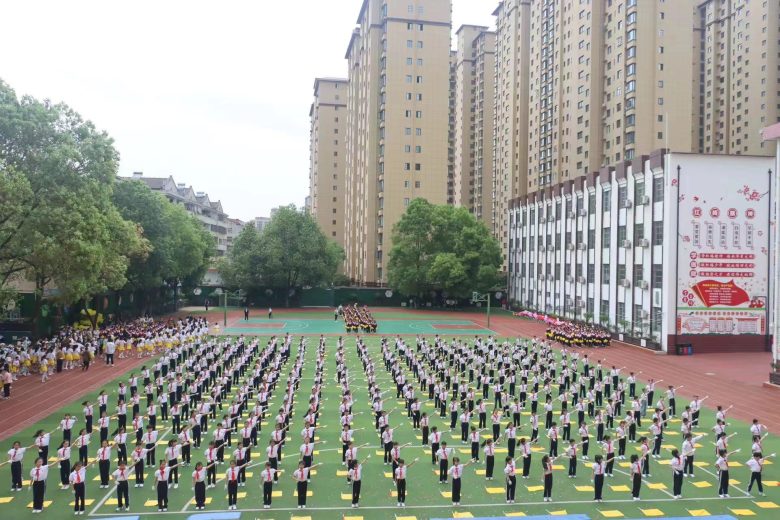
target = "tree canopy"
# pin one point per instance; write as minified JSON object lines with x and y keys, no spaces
{"x":291,"y":252}
{"x":58,"y":225}
{"x":442,"y":248}
{"x":179,"y":247}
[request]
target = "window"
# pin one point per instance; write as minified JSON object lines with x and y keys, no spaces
{"x":639,"y":231}
{"x":591,"y":238}
{"x":638,"y":273}
{"x":418,"y":149}
{"x":418,"y":131}
{"x":605,"y":237}
{"x":622,"y":196}
{"x":631,"y":35}
{"x":591,"y":203}
{"x":604,"y":273}
{"x":419,"y":79}
{"x":591,"y":272}
{"x":606,"y":201}
{"x":419,"y":44}
{"x":658,"y":188}
{"x":417,"y":184}
{"x":409,"y":61}
{"x":639,"y":191}
{"x":408,"y":78}
{"x":407,"y":131}
{"x":407,"y":148}
{"x":409,"y":44}
{"x":621,"y":234}
{"x":657,"y":275}
{"x":658,"y":233}
{"x":417,"y":167}
{"x":407,"y":166}
{"x":621,"y":272}
{"x":406,"y":201}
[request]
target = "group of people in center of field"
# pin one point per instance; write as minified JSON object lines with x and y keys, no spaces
{"x":204,"y":400}
{"x":359,"y":319}
{"x":570,"y":334}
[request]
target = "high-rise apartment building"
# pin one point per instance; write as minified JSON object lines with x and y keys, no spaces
{"x":451,"y":130}
{"x":737,"y":45}
{"x":398,"y":123}
{"x":474,"y":111}
{"x":328,"y":115}
{"x":510,"y":153}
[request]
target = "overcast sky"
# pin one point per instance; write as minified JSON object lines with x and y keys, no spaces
{"x":216,"y":94}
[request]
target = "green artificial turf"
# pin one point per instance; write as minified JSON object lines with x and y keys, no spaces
{"x":425,"y":497}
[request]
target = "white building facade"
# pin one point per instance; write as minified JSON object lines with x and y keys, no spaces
{"x":606,"y":249}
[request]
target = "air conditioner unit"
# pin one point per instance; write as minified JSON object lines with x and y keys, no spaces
{"x":582,"y":212}
{"x":550,"y":278}
{"x":580,"y":279}
{"x":645,"y":200}
{"x":644,"y":314}
{"x":569,"y":279}
{"x":626,"y":244}
{"x":578,"y":304}
{"x":570,"y":214}
{"x":643,"y":284}
{"x":644,"y":242}
{"x":550,"y":247}
{"x":581,"y":246}
{"x":569,"y":302}
{"x":625,"y":282}
{"x":627,"y":203}
{"x":570,"y":246}
{"x":542,"y":220}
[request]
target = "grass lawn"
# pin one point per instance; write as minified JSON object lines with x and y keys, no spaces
{"x":331,"y":495}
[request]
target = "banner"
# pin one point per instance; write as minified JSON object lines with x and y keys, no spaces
{"x":722,"y":245}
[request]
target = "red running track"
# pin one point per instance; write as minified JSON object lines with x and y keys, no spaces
{"x":728,"y":379}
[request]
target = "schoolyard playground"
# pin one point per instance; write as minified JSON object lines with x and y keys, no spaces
{"x":330,"y":495}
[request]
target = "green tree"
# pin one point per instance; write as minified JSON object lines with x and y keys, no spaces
{"x":180,"y":248}
{"x":61,"y":227}
{"x":292,"y":252}
{"x":442,"y":248}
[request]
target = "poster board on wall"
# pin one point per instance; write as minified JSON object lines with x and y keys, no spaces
{"x":722,"y":245}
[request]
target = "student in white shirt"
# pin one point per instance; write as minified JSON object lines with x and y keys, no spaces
{"x":77,"y":479}
{"x":15,"y":456}
{"x":723,"y":472}
{"x":356,"y":477}
{"x":267,"y":477}
{"x":677,"y":464}
{"x":756,"y":465}
{"x":400,"y":480}
{"x":121,"y":475}
{"x":456,"y":471}
{"x":38,"y":476}
{"x":599,"y":470}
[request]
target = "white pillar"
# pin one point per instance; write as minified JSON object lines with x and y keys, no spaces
{"x":775,"y":326}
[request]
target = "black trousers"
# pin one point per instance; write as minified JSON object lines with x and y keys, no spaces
{"x":598,"y":486}
{"x":268,"y":488}
{"x":548,"y":484}
{"x":434,"y":449}
{"x":39,"y":491}
{"x":443,"y":467}
{"x":16,"y":475}
{"x":162,"y":495}
{"x":723,"y":479}
{"x":64,"y":472}
{"x":232,"y":492}
{"x":490,"y":462}
{"x":526,"y":465}
{"x":636,"y":485}
{"x":122,"y":494}
{"x":511,"y":485}
{"x":400,"y":486}
{"x":456,"y":490}
{"x":78,"y":492}
{"x":303,"y":487}
{"x":755,"y":477}
{"x":355,"y":491}
{"x":688,"y":465}
{"x":104,"y":466}
{"x":139,"y":472}
{"x":200,"y":494}
{"x":678,"y":481}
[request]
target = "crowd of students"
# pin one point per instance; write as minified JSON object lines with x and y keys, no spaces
{"x":570,"y":334}
{"x":74,"y":349}
{"x":359,"y":319}
{"x":196,"y":393}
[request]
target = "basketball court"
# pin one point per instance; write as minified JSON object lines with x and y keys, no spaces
{"x":385,"y":327}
